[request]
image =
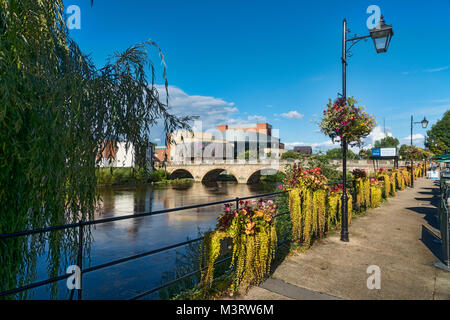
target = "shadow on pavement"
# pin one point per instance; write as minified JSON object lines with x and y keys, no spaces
{"x":430,"y":215}
{"x":431,"y":241}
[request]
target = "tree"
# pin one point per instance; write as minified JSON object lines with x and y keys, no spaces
{"x":365,"y":153}
{"x":413,"y":153}
{"x":438,"y":137}
{"x":336,"y":153}
{"x":402,"y":151}
{"x":290,"y":155}
{"x":56,"y":111}
{"x":387,"y":142}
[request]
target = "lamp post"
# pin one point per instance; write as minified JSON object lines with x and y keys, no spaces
{"x":424,"y":124}
{"x":381,"y":36}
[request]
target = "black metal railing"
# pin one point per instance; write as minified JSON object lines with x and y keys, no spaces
{"x":444,"y":219}
{"x":82,"y":224}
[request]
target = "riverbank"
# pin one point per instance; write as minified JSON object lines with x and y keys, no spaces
{"x":107,"y":177}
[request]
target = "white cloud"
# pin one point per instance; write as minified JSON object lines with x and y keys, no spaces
{"x":234,"y":109}
{"x":417,"y":136}
{"x":291,"y":115}
{"x":376,"y":134}
{"x":426,"y":70}
{"x":326,"y":144}
{"x":257,"y":118}
{"x":437,"y":69}
{"x":210,"y":110}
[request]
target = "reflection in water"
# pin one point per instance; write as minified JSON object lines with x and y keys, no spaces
{"x":114,"y":240}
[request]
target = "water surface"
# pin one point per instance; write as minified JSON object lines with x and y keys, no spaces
{"x":115,"y":240}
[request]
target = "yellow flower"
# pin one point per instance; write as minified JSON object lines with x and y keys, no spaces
{"x":259,"y":214}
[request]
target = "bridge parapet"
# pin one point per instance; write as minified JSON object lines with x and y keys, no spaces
{"x":245,"y":171}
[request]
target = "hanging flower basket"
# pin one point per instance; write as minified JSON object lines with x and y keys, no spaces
{"x":342,"y":119}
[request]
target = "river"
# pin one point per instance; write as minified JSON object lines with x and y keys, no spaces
{"x":115,"y":240}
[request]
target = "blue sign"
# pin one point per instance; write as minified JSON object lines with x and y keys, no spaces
{"x":376,"y":152}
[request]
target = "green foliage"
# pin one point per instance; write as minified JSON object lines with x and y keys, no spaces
{"x":365,"y":153}
{"x":438,"y":137}
{"x":158,"y":175}
{"x":277,"y":177}
{"x":387,"y":142}
{"x":56,"y":110}
{"x":127,"y":175}
{"x":290,"y":155}
{"x":402,"y":151}
{"x":322,"y":161}
{"x":414,"y":153}
{"x":336,"y":153}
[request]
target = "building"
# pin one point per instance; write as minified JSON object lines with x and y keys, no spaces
{"x":304,"y":150}
{"x":116,"y":155}
{"x":228,"y":142}
{"x":161,"y":154}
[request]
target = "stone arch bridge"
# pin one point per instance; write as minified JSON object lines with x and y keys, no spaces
{"x":205,"y":172}
{"x":249,"y":172}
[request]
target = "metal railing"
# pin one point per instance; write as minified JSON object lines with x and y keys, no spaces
{"x":444,"y":220}
{"x":82,"y":224}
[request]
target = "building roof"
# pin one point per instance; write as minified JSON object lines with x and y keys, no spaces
{"x":303,"y":149}
{"x":237,"y":135}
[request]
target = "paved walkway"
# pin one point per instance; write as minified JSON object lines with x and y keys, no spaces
{"x":397,"y":237}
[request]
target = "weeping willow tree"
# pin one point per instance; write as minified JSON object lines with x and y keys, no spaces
{"x":56,"y":110}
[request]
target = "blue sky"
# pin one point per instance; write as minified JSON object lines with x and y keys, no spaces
{"x":279,"y":61}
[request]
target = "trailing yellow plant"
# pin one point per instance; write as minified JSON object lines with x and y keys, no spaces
{"x":406,"y":177}
{"x":382,"y":173}
{"x":253,"y":232}
{"x":350,"y":208}
{"x":399,"y":178}
{"x":319,"y":212}
{"x":307,"y":203}
{"x":392,"y":181}
{"x":360,"y":188}
{"x":296,"y":213}
{"x":307,"y":217}
{"x":376,"y":192}
{"x":333,"y":210}
{"x":210,"y":251}
{"x":335,"y":206}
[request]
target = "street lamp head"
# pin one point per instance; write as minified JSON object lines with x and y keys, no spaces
{"x":381,"y":36}
{"x":424,"y":123}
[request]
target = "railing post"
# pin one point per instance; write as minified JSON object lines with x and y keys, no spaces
{"x":80,"y":259}
{"x":237,"y":204}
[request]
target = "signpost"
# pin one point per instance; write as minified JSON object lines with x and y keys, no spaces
{"x":385,"y":154}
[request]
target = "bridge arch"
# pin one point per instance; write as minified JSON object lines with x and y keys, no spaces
{"x":180,"y":174}
{"x":213,"y":174}
{"x":255,"y":177}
